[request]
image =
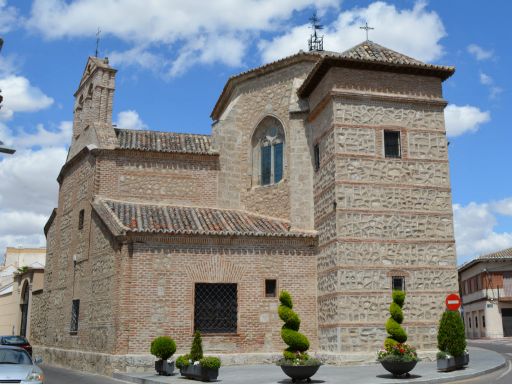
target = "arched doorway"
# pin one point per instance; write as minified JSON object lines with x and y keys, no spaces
{"x":24,"y":309}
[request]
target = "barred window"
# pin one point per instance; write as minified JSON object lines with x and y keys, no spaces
{"x":215,"y":309}
{"x":392,"y":144}
{"x":75,"y":311}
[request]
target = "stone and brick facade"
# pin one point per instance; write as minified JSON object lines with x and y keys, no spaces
{"x":144,"y":216}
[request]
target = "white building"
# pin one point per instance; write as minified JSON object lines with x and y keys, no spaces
{"x":486,"y":287}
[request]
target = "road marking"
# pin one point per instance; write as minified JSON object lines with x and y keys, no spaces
{"x":506,"y":371}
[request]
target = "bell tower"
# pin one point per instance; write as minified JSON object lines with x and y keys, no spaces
{"x":92,"y":112}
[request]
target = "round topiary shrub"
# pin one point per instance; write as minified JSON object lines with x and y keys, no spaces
{"x":396,"y":333}
{"x":163,"y":347}
{"x":297,"y":342}
{"x":451,"y":337}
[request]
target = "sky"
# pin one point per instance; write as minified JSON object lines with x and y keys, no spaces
{"x":174,"y":58}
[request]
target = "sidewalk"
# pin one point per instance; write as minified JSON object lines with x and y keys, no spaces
{"x":482,"y":361}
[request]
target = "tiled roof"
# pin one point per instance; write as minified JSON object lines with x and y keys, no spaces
{"x":368,"y":50}
{"x":163,"y":141}
{"x":151,"y":218}
{"x":373,"y":56}
{"x":497,"y":255}
{"x":365,"y":52}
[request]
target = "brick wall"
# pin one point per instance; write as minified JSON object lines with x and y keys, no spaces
{"x":159,"y":278}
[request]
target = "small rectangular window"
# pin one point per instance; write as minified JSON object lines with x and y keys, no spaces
{"x":483,"y":321}
{"x":469,"y":321}
{"x":392,"y":144}
{"x":75,"y":312}
{"x":270,"y":288}
{"x":398,"y":283}
{"x":81,"y":220}
{"x":476,"y":322}
{"x":316,"y":150}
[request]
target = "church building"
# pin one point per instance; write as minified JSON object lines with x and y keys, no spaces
{"x":326,"y":174}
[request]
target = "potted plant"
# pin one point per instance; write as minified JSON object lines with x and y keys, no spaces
{"x":451,"y":342}
{"x":163,"y":347}
{"x":197,"y":367}
{"x":397,"y":357}
{"x":296,"y":363}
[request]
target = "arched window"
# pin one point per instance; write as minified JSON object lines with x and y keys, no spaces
{"x":268,"y":151}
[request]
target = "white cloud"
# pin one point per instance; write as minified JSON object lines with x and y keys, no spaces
{"x":503,"y":207}
{"x":8,"y":17}
{"x":479,"y":53}
{"x":462,"y":119}
{"x":488,"y":81}
{"x":20,"y":96}
{"x":415,"y":32}
{"x":137,"y":56}
{"x":130,"y":119}
{"x":215,"y":31}
{"x":29,"y":188}
{"x":475,"y":232}
{"x":485,"y":79}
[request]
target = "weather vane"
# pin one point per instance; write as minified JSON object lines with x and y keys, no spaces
{"x":97,"y":40}
{"x":316,"y":43}
{"x":366,"y":28}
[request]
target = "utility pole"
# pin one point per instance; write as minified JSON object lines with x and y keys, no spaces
{"x":3,"y":149}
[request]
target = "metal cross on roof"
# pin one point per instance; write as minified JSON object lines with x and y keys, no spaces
{"x":97,"y":41}
{"x":366,"y":28}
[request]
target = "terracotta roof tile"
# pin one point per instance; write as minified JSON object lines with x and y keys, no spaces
{"x":168,"y":219}
{"x":163,"y":141}
{"x":497,"y":255}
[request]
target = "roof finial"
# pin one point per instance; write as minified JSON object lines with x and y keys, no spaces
{"x":316,"y":43}
{"x":97,"y":41}
{"x":366,"y":28}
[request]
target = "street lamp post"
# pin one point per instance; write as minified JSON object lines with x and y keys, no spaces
{"x":3,"y":149}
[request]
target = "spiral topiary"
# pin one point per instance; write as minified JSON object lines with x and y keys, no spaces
{"x":396,"y":333}
{"x":297,"y":342}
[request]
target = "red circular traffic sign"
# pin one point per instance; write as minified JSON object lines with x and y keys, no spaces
{"x":452,"y":302}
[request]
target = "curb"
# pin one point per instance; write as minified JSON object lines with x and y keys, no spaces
{"x":437,"y":377}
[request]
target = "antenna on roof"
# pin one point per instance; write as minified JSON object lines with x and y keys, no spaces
{"x":316,"y":43}
{"x":97,"y":41}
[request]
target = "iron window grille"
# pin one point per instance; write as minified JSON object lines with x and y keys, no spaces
{"x":75,"y":311}
{"x":398,"y":283}
{"x":215,"y":308}
{"x":270,"y":288}
{"x":392,"y":144}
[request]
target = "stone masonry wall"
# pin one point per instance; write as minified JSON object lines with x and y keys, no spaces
{"x":268,"y":95}
{"x":189,"y":180}
{"x":393,"y":217}
{"x":161,"y":278}
{"x":89,"y":279}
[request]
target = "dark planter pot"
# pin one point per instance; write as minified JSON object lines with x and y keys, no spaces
{"x":164,"y":368}
{"x":398,"y":368}
{"x":197,"y":372}
{"x":452,"y":363}
{"x":300,"y":372}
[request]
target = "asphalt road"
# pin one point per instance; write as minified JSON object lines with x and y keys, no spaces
{"x":502,"y":376}
{"x":56,"y":375}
